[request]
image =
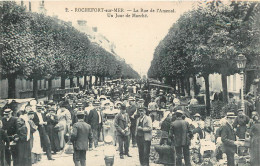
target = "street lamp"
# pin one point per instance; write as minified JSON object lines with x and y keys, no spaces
{"x":241,"y":64}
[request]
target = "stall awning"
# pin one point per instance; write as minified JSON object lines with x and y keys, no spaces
{"x":160,"y":85}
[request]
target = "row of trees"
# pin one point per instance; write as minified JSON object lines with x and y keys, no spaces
{"x":207,"y":40}
{"x":35,"y":47}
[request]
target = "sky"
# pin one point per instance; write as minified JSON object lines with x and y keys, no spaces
{"x":135,"y":38}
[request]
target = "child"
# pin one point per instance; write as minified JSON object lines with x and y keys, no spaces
{"x":109,"y":151}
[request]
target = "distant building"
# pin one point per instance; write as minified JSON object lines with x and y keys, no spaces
{"x":96,"y":37}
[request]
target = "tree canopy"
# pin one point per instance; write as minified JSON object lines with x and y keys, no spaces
{"x":207,"y":40}
{"x":37,"y":47}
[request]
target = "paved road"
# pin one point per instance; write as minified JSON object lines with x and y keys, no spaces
{"x":94,"y":158}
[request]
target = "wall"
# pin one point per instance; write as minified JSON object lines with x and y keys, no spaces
{"x":215,"y":84}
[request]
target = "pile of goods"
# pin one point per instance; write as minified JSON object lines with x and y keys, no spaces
{"x":156,"y":137}
{"x":154,"y":156}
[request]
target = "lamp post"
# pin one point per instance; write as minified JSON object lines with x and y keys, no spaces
{"x":241,"y":64}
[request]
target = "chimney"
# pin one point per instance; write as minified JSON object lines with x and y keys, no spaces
{"x":30,"y":6}
{"x":94,"y":29}
{"x":42,"y":9}
{"x":82,"y":22}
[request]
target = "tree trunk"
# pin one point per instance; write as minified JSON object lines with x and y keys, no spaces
{"x":174,"y":85}
{"x":182,"y":87}
{"x":168,"y":80}
{"x":96,"y":80}
{"x":35,"y":88}
{"x":188,"y":86}
{"x":85,"y":82}
{"x":78,"y":85}
{"x":195,"y":85}
{"x":249,"y":77}
{"x":179,"y":86}
{"x":50,"y":95}
{"x":71,"y":82}
{"x":63,"y":79}
{"x":206,"y":78}
{"x":90,"y":81}
{"x":224,"y":87}
{"x":11,"y":86}
{"x":99,"y":83}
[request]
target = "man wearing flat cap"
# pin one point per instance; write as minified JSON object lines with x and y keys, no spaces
{"x":144,"y":136}
{"x":131,"y":109}
{"x":147,"y":98}
{"x":82,"y":139}
{"x":180,"y":135}
{"x":140,"y":103}
{"x":228,"y":138}
{"x":93,"y":121}
{"x":240,"y":124}
{"x":122,"y":125}
{"x":39,"y":120}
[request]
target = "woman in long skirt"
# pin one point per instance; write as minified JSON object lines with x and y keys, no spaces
{"x":62,"y":123}
{"x":36,"y":149}
{"x":23,"y":141}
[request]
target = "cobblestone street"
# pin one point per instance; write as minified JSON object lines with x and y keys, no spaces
{"x":94,"y":158}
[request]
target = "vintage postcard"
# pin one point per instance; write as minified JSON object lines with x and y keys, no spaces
{"x":129,"y":83}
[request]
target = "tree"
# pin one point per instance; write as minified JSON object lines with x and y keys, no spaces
{"x":17,"y":41}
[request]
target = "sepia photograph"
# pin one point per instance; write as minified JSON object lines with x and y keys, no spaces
{"x":130,"y":83}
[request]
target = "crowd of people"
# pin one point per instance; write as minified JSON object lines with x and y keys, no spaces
{"x":120,"y":115}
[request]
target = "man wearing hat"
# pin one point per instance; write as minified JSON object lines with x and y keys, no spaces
{"x":240,"y":124}
{"x":140,"y":103}
{"x":39,"y":121}
{"x":153,"y":108}
{"x":144,"y":136}
{"x":93,"y":121}
{"x":9,"y":126}
{"x":122,"y":125}
{"x":131,"y":109}
{"x":147,"y":98}
{"x":180,"y":135}
{"x":81,"y":137}
{"x":79,"y":107}
{"x":163,"y":99}
{"x":228,"y":138}
{"x":198,"y":125}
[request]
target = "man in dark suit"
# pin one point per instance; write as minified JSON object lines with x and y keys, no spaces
{"x":81,"y":137}
{"x":228,"y":138}
{"x":180,"y":135}
{"x":10,"y":127}
{"x":122,"y":125}
{"x":147,"y":98}
{"x":39,"y":120}
{"x":240,"y":123}
{"x":144,"y":136}
{"x":93,"y":121}
{"x":131,"y":112}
